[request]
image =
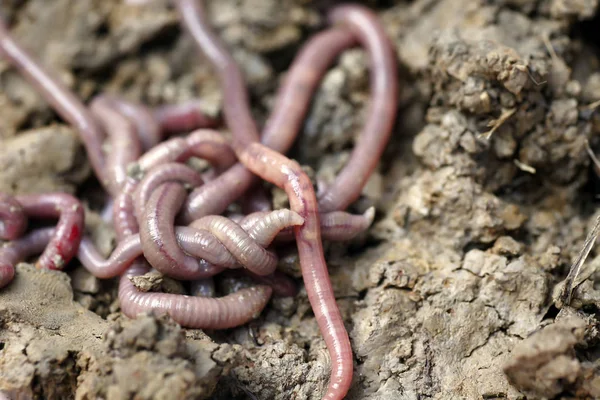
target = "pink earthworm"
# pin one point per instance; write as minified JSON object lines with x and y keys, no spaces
{"x":182,"y":117}
{"x":194,"y":312}
{"x":125,"y":146}
{"x":13,"y":221}
{"x":198,"y":243}
{"x":69,"y":229}
{"x":146,"y":127}
{"x":203,"y":143}
{"x":281,"y":128}
{"x":164,"y":254}
{"x":337,"y":226}
{"x":158,"y":233}
{"x":19,"y":250}
{"x":287,"y":174}
{"x":381,"y":115}
{"x":153,"y":124}
{"x":206,"y":144}
{"x":66,"y":104}
{"x":169,"y":172}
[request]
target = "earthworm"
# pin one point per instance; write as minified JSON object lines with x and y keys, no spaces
{"x":249,"y":247}
{"x":294,"y":96}
{"x":182,"y":117}
{"x":281,"y":128}
{"x":202,"y":143}
{"x":125,"y":146}
{"x":158,"y":233}
{"x":146,"y":126}
{"x":198,"y":243}
{"x":287,"y":174}
{"x":193,"y":312}
{"x":18,"y":250}
{"x":153,"y":124}
{"x":69,"y":229}
{"x":164,"y":254}
{"x":337,"y":226}
{"x":377,"y":129}
{"x":13,"y":221}
{"x":124,"y":219}
{"x":158,"y":175}
{"x":203,"y":287}
{"x":66,"y":104}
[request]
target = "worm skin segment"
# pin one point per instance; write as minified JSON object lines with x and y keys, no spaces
{"x":169,"y":172}
{"x":381,"y":113}
{"x":69,"y":229}
{"x":125,"y":146}
{"x":203,"y":143}
{"x":193,"y":311}
{"x":62,"y":100}
{"x":13,"y":221}
{"x":19,"y":250}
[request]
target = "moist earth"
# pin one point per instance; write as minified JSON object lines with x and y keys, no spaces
{"x":484,"y":197}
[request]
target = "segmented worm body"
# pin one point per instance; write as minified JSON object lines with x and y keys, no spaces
{"x":195,"y":312}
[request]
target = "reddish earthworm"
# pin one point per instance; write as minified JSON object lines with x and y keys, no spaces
{"x":198,"y":243}
{"x":66,"y":104}
{"x":169,"y":172}
{"x":282,"y":285}
{"x":158,"y":233}
{"x":337,"y":226}
{"x":281,"y":128}
{"x":202,"y":143}
{"x":377,"y":129}
{"x":160,"y":246}
{"x":182,"y":117}
{"x":287,"y":174}
{"x":154,"y":124}
{"x":18,"y":250}
{"x":125,"y":146}
{"x":249,"y":247}
{"x":69,"y":229}
{"x":203,"y":288}
{"x":193,"y":312}
{"x":146,"y":126}
{"x":13,"y":221}
{"x":301,"y":81}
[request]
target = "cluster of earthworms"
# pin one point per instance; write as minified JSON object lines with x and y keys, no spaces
{"x":170,"y":217}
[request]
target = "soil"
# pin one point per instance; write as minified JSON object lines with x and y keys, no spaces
{"x":484,"y":198}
